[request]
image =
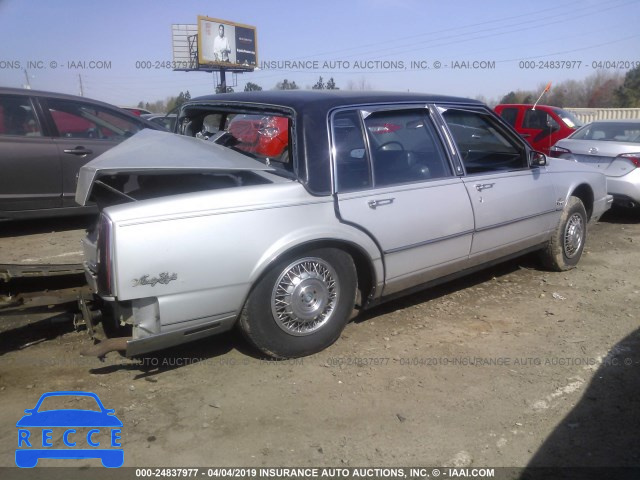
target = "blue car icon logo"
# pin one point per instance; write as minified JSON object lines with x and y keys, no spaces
{"x":69,"y":433}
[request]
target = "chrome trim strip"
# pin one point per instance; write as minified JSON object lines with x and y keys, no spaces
{"x":467,"y":232}
{"x":428,"y":242}
{"x":210,"y":212}
{"x":160,"y":341}
{"x":216,"y":317}
{"x":521,"y":219}
{"x":402,"y":292}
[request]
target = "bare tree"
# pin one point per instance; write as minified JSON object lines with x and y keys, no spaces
{"x":331,"y":85}
{"x":600,"y":89}
{"x":286,"y":85}
{"x":320,"y":85}
{"x":360,"y":84}
{"x":597,"y":90}
{"x":252,"y":87}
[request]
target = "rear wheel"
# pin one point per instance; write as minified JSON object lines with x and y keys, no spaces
{"x":565,"y":247}
{"x":302,"y":304}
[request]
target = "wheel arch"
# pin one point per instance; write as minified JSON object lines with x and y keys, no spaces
{"x":366,"y":271}
{"x":585,"y":194}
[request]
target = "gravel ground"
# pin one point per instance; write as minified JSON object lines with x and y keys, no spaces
{"x":512,"y":366}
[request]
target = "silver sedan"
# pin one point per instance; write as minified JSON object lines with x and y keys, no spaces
{"x":381,"y":194}
{"x":614,"y":148}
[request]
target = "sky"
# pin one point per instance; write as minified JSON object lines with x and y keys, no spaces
{"x":463,"y":48}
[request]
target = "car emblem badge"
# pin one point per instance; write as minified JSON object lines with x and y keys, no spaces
{"x":593,"y":150}
{"x":164,"y":278}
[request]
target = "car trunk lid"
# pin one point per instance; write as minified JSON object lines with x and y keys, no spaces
{"x":151,"y":152}
{"x":603,"y":155}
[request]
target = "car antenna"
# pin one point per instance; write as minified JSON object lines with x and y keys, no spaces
{"x":546,"y":89}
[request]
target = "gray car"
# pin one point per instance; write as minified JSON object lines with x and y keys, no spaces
{"x":613,"y":147}
{"x":44,"y":140}
{"x":166,"y":120}
{"x":382,"y":194}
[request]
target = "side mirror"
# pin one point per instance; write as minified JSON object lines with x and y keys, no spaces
{"x":537,"y":159}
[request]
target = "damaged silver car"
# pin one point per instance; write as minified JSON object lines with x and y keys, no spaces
{"x":364,"y":197}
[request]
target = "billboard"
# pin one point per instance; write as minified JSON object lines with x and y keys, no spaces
{"x":184,"y":46}
{"x":226,"y":44}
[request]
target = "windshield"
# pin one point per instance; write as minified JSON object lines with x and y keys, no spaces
{"x":568,"y":118}
{"x":263,"y":136}
{"x":627,"y":132}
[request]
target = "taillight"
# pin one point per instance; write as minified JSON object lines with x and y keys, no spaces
{"x":105,"y":268}
{"x":557,"y":152}
{"x":632,"y":157}
{"x":380,"y":128}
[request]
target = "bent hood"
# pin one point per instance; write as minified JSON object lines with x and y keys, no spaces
{"x":163,"y":152}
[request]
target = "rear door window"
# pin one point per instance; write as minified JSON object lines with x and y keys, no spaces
{"x":351,"y":158}
{"x":83,"y":120}
{"x":404,"y":147}
{"x":386,"y":147}
{"x":17,"y":117}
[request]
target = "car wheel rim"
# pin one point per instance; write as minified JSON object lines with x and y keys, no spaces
{"x":573,"y":235}
{"x":305,"y":296}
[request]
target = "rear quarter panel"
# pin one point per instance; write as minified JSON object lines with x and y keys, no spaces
{"x":219,"y":243}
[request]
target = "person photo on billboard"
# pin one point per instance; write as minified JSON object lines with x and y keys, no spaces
{"x":221,"y":48}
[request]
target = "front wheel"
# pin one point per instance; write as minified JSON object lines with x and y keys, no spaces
{"x":302,"y":304}
{"x":565,"y":247}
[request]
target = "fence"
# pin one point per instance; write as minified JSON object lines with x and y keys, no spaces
{"x":591,"y":114}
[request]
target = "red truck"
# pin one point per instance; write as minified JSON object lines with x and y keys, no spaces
{"x":542,"y":127}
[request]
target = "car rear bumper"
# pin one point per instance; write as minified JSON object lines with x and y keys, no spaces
{"x":625,"y":187}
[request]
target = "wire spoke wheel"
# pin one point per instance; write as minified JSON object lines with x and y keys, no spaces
{"x":301,"y":304}
{"x":573,"y":235}
{"x":564,"y":248}
{"x":305,"y":296}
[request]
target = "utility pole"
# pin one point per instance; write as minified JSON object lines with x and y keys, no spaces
{"x":26,"y":75}
{"x":223,"y":80}
{"x":81,"y":89}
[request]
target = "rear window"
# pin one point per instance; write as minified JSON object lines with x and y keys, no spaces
{"x":625,"y":132}
{"x":263,"y":136}
{"x":266,"y":136}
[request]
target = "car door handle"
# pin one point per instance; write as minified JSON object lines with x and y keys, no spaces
{"x":483,"y":186}
{"x":380,"y":203}
{"x":78,"y":151}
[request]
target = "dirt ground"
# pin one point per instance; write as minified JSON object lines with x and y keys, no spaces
{"x":513,"y":366}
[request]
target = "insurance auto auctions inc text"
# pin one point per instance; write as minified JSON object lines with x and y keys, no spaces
{"x":364,"y":65}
